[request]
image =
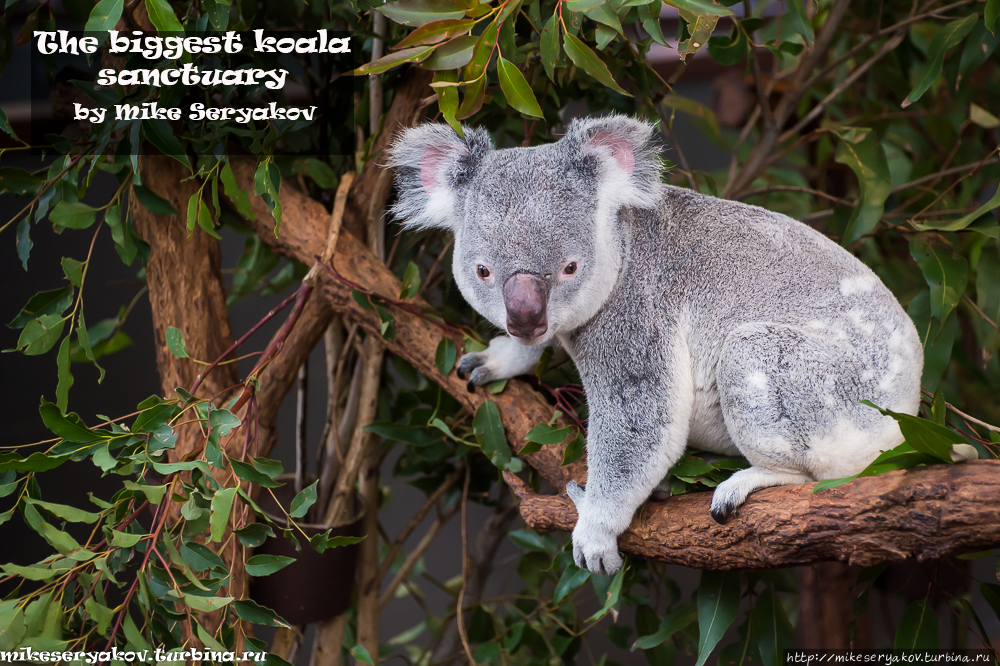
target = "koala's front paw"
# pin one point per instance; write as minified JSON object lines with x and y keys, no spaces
{"x":476,"y":368}
{"x":594,"y":546}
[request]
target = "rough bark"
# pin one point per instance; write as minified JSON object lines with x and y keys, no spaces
{"x":925,"y":513}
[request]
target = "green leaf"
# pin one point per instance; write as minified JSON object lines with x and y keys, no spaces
{"x":991,"y":594}
{"x":67,"y":513}
{"x":361,"y":654}
{"x":937,"y":337}
{"x":990,"y":14}
{"x":678,"y":619}
{"x":250,"y":611}
{"x":925,"y":436}
{"x":28,"y":573}
{"x":948,"y":37}
{"x":718,"y":601}
{"x":649,"y":15}
{"x":572,"y":578}
{"x":387,"y":62}
{"x":516,"y":89}
{"x":587,"y":60}
{"x":729,"y":50}
{"x":40,"y":335}
{"x":411,"y":281}
{"x":124,"y":540}
{"x":73,"y":270}
{"x":532,"y":541}
{"x":23,"y":242}
{"x":220,"y":423}
{"x":104,"y":16}
{"x":444,"y":357}
{"x":545,"y":434}
{"x":605,"y":13}
{"x":222,"y":506}
{"x":322,"y":542}
{"x":50,"y":302}
{"x":966,"y":220}
{"x":18,"y":181}
{"x":254,"y":534}
{"x":58,"y":539}
{"x":70,"y":427}
{"x":303,"y":500}
{"x":770,"y":628}
{"x":550,"y":47}
{"x":918,"y":628}
{"x":611,"y":596}
{"x":153,"y":202}
{"x":452,"y":55}
{"x":700,"y":28}
{"x":153,"y":493}
{"x":218,"y":13}
{"x":861,"y":150}
{"x":574,"y":450}
{"x":800,"y":22}
{"x":435,"y":32}
{"x":249,"y":473}
{"x":5,"y":123}
{"x":65,"y":376}
{"x":159,"y":132}
{"x":420,"y":12}
{"x":701,"y":7}
{"x":235,"y":193}
{"x":265,"y":565}
{"x":206,"y":604}
{"x":162,"y":16}
{"x":947,"y":274}
{"x":100,"y":614}
{"x":489,"y":432}
{"x":76,"y":215}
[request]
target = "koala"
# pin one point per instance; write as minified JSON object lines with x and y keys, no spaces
{"x":692,"y":320}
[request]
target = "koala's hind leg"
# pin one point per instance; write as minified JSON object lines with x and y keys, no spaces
{"x":503,"y":359}
{"x":790,"y":400}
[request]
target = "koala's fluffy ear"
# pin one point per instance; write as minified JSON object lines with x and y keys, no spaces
{"x":626,"y":152}
{"x":432,"y":163}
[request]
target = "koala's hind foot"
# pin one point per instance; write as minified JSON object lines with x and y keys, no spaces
{"x":732,"y":492}
{"x":503,"y":359}
{"x":595,"y":547}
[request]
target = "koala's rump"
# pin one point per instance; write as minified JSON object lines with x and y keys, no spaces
{"x":777,"y":304}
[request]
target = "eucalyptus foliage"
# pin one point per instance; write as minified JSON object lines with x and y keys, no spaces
{"x":877,"y":125}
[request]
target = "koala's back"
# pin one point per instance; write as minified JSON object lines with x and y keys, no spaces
{"x":764,"y":295}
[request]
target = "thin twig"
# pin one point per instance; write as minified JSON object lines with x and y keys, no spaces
{"x":465,"y":566}
{"x":415,"y":555}
{"x":301,"y":410}
{"x":416,"y":520}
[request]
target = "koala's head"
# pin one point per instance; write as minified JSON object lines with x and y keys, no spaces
{"x":538,"y":245}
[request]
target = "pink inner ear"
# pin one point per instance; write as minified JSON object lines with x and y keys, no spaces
{"x":621,"y":149}
{"x":431,"y":165}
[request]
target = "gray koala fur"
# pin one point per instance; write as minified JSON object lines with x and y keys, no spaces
{"x":691,"y":319}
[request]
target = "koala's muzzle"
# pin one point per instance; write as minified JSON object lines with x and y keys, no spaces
{"x":526,"y":297}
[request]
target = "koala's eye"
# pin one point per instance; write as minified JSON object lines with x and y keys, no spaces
{"x":570,"y":268}
{"x":482,"y":272}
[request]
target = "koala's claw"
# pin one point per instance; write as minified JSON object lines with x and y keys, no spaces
{"x":721,"y":511}
{"x":473,"y":367}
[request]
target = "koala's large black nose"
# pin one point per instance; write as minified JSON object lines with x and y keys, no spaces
{"x":526,"y":297}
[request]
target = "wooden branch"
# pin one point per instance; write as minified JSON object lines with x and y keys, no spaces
{"x":926,"y":513}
